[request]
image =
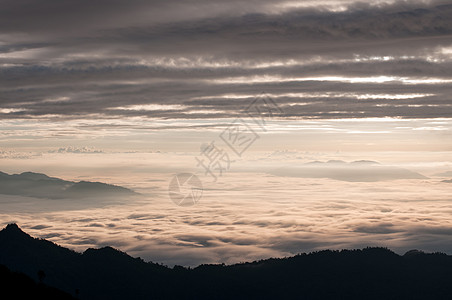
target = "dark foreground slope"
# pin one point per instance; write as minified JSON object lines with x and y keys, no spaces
{"x":15,"y":285}
{"x":371,"y":273}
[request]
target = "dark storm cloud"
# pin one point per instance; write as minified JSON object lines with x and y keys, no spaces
{"x":70,"y":58}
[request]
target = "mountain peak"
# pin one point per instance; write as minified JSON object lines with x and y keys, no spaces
{"x":13,"y":230}
{"x":12,"y":227}
{"x":34,"y":176}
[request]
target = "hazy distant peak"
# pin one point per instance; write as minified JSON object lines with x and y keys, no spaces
{"x":356,"y":171}
{"x":40,"y":185}
{"x":336,"y":161}
{"x":34,"y":176}
{"x":315,"y":162}
{"x":98,"y":187}
{"x":365,"y":162}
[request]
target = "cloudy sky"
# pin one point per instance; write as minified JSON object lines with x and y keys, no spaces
{"x":132,"y":92}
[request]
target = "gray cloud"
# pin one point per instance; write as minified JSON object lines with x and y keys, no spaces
{"x":71,"y":60}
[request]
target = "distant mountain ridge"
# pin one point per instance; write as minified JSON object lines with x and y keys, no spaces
{"x":107,"y":273}
{"x":355,"y":171}
{"x":42,"y":186}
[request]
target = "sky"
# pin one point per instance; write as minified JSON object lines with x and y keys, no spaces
{"x":345,"y":106}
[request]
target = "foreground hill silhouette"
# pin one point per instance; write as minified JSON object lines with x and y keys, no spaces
{"x":106,"y":273}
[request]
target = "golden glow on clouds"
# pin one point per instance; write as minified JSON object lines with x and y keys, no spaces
{"x":142,"y":134}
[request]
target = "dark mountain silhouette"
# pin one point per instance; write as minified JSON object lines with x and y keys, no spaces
{"x":42,"y":186}
{"x":107,"y":273}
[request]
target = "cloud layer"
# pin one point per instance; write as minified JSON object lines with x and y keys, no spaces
{"x":255,"y":217}
{"x":116,"y":60}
